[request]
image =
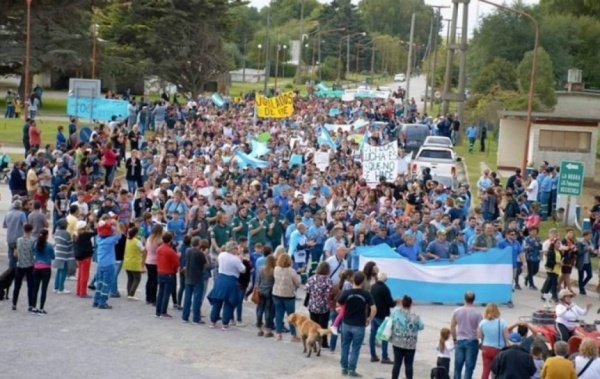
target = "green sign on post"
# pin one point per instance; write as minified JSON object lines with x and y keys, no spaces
{"x":570,"y":180}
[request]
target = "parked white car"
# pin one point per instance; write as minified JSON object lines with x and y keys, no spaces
{"x":441,"y":161}
{"x":438,"y":141}
{"x":399,"y":77}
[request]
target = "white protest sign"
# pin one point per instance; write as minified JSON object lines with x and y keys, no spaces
{"x":322,"y":160}
{"x":336,"y":127}
{"x":348,"y":96}
{"x":205,"y":191}
{"x":380,"y":161}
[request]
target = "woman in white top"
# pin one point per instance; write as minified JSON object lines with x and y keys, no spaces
{"x":568,"y":314}
{"x":587,"y":363}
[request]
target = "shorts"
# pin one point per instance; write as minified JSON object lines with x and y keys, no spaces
{"x":566,"y":269}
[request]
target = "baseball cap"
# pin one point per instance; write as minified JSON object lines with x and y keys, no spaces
{"x":515,"y":337}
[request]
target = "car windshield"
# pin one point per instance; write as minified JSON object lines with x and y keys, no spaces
{"x":436,"y":154}
{"x":438,"y":141}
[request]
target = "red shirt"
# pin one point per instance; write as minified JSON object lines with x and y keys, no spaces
{"x":167,"y":260}
{"x":34,"y":136}
{"x":109,"y":158}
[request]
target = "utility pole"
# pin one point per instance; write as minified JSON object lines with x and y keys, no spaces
{"x":244,"y":67}
{"x":268,"y":50}
{"x":431,"y":79}
{"x":299,"y":67}
{"x":450,"y":47}
{"x":348,"y":59}
{"x":410,"y":54}
{"x":427,"y":52}
{"x":319,"y":55}
{"x":447,"y":96}
{"x":462,"y":76}
{"x":373,"y":59}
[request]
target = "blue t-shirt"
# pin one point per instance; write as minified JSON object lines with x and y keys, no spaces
{"x":493,"y":333}
{"x":439,"y":249}
{"x":409,"y":252}
{"x":177,"y":227}
{"x":516,"y":249}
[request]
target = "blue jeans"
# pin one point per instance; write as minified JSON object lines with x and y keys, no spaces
{"x":471,"y":144}
{"x":375,"y":323}
{"x":352,"y":339}
{"x":333,"y":339}
{"x":132,"y":186}
{"x":465,"y":355}
{"x":59,"y":279}
{"x":265,"y":308}
{"x":240,"y":306}
{"x":316,"y":253}
{"x":544,"y":199}
{"x":165,"y":282}
{"x":114,"y":289}
{"x":192,"y":298}
{"x":584,"y":276}
{"x":105,"y":276}
{"x":284,"y":305}
{"x":215,"y":311}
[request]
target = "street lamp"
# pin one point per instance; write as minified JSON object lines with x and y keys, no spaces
{"x":533,"y":76}
{"x":26,"y":86}
{"x":259,"y":54}
{"x":94,"y":43}
{"x":284,"y":59}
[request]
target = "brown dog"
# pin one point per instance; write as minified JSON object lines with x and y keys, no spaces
{"x":310,"y":332}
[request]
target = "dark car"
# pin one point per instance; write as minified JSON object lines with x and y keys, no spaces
{"x":412,"y":136}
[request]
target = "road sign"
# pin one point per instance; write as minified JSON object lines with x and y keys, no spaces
{"x":570,"y":180}
{"x":437,"y":95}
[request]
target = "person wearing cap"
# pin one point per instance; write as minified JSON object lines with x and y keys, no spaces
{"x":513,"y":362}
{"x":83,"y":250}
{"x":568,"y":315}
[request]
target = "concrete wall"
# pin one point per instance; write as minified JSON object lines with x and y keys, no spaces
{"x":511,"y":141}
{"x":582,"y":104}
{"x":555,"y":157}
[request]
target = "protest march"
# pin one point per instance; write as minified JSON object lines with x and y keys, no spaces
{"x":209,"y":206}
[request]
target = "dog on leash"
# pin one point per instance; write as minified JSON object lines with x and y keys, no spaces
{"x":310,"y":332}
{"x":6,"y":280}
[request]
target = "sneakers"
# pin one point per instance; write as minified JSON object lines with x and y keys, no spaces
{"x":240,"y":324}
{"x":14,"y":308}
{"x":62,"y":292}
{"x":95,"y":305}
{"x":92,"y":287}
{"x":105,"y":306}
{"x":269,"y":334}
{"x":72,"y":278}
{"x":166,"y":316}
{"x":387,"y":361}
{"x":185,"y":321}
{"x":33,"y":311}
{"x":517,"y":287}
{"x":334,"y":330}
{"x":374,"y":359}
{"x":41,"y":312}
{"x":260,"y":333}
{"x":212,"y":325}
{"x":225,"y":328}
{"x":198,"y":322}
{"x":132,"y":298}
{"x":354,"y":374}
{"x":115,"y":295}
{"x":344,"y":372}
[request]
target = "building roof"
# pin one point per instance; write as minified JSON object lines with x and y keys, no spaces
{"x":546,"y":116}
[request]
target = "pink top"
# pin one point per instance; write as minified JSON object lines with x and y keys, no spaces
{"x":34,"y":135}
{"x":151,"y":251}
{"x":109,"y":158}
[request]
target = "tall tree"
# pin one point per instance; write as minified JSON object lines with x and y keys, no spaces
{"x":500,"y":74}
{"x":60,"y":36}
{"x":394,"y":18}
{"x":544,"y":80}
{"x":283,"y":11}
{"x":575,"y":7}
{"x":167,"y":34}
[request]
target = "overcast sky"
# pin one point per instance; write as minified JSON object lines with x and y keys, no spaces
{"x":476,"y":8}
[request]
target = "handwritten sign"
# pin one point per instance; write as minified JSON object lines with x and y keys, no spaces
{"x":96,"y":108}
{"x":281,"y":106}
{"x":380,"y":161}
{"x":322,"y":160}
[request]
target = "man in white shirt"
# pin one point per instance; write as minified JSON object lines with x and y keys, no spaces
{"x":225,"y":294}
{"x":333,"y":243}
{"x":337,"y":264}
{"x":533,"y":188}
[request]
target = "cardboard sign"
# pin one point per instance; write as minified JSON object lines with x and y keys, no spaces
{"x":322,"y":160}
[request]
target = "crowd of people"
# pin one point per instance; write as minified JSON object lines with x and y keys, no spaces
{"x":164,"y":192}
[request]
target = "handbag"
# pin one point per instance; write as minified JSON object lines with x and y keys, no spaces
{"x":255,"y":295}
{"x":384,"y":332}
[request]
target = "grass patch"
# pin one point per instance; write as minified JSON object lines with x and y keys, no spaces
{"x":11,"y":130}
{"x":473,"y":160}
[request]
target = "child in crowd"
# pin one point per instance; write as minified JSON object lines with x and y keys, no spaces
{"x":445,"y":351}
{"x":346,"y":279}
{"x":538,"y":361}
{"x":177,"y":227}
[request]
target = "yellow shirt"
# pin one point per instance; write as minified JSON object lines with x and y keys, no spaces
{"x":556,"y":268}
{"x":133,"y":260}
{"x":558,"y":368}
{"x":71,"y":224}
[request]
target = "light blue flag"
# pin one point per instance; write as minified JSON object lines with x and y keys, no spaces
{"x":325,"y":139}
{"x":333,"y":112}
{"x":217,"y":100}
{"x":366,"y":137}
{"x":408,"y":157}
{"x":295,"y":159}
{"x":322,"y":87}
{"x":225,"y":159}
{"x":246,"y":160}
{"x":359,"y":123}
{"x":258,"y":149}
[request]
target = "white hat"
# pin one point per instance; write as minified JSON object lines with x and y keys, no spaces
{"x":564,"y":293}
{"x":80,"y":225}
{"x":165,"y":181}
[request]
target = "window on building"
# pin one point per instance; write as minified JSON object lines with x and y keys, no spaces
{"x":555,"y":140}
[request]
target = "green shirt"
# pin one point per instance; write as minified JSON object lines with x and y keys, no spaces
{"x":277,"y":232}
{"x":212,"y":212}
{"x":221,"y":234}
{"x":243,"y":221}
{"x":261,"y":236}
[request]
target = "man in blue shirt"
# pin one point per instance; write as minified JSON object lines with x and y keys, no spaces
{"x":438,"y":248}
{"x":517,"y":256}
{"x":545,"y":192}
{"x":471,"y":133}
{"x":469,"y":230}
{"x":409,"y":250}
{"x":381,"y":237}
{"x":105,"y":272}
